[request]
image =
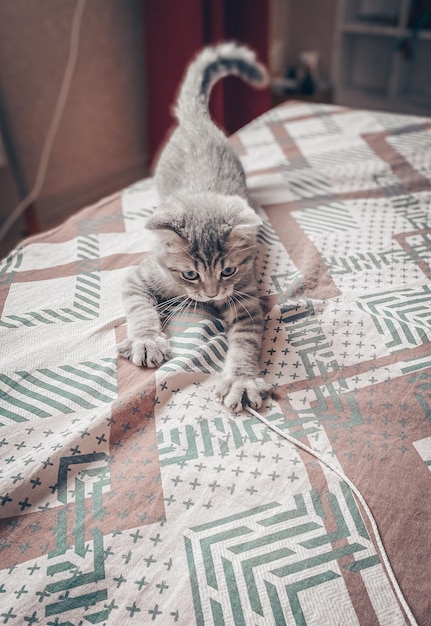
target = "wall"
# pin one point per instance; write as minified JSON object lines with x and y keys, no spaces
{"x":300,"y":25}
{"x":100,"y":145}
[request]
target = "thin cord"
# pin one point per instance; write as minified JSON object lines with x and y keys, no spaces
{"x":360,"y":498}
{"x":55,"y":121}
{"x":37,"y":187}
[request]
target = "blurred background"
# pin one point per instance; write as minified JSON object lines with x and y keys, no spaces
{"x":132,"y":54}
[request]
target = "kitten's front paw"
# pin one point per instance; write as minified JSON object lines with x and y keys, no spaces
{"x":237,"y":393}
{"x":148,"y":352}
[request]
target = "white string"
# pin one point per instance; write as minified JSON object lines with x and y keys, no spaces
{"x":360,"y":498}
{"x":55,"y":121}
{"x":34,"y":193}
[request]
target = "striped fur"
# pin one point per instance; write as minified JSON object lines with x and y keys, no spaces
{"x":212,"y":64}
{"x":206,"y":237}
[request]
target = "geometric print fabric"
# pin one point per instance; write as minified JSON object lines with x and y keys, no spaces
{"x":131,"y":496}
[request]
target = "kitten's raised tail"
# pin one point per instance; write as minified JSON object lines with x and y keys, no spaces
{"x":210,"y":65}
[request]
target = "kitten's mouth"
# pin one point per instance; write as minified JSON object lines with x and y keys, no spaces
{"x":218,"y":298}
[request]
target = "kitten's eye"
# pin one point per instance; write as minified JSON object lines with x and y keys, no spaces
{"x":190,"y":275}
{"x":227,"y":272}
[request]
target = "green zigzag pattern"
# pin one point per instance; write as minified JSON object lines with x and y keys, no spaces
{"x":365,"y":261}
{"x":61,"y":390}
{"x":9,"y":266}
{"x":403,"y":314}
{"x":196,"y":345}
{"x":232,"y":560}
{"x":215,"y":437}
{"x":327,"y":217}
{"x":86,"y":297}
{"x":406,"y":204}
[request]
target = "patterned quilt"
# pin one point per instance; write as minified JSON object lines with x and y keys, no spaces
{"x":129,"y":496}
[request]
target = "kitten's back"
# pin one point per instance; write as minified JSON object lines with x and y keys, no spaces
{"x":211,"y":65}
{"x":198,"y":157}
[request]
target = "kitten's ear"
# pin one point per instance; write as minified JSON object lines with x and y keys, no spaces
{"x":168,"y":219}
{"x":162,"y":224}
{"x":159,"y":221}
{"x":246,"y":222}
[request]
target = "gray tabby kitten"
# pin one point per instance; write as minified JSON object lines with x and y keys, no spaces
{"x":206,"y":232}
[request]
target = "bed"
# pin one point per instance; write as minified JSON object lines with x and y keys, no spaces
{"x":130,"y":496}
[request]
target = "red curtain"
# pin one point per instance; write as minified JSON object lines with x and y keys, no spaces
{"x":174,"y":31}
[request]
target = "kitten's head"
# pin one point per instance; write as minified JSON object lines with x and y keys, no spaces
{"x":206,"y":243}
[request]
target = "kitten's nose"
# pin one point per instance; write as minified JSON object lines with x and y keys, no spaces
{"x":211,"y":289}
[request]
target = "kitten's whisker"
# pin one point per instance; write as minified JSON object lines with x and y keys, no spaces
{"x":171,"y":307}
{"x":255,"y":245}
{"x":232,"y":306}
{"x":174,"y":311}
{"x":228,"y":302}
{"x":243,"y":294}
{"x":166,"y":303}
{"x":169,"y":317}
{"x":245,"y":309}
{"x":237,"y":242}
{"x":186,"y":310}
{"x":233,"y":246}
{"x":188,"y":254}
